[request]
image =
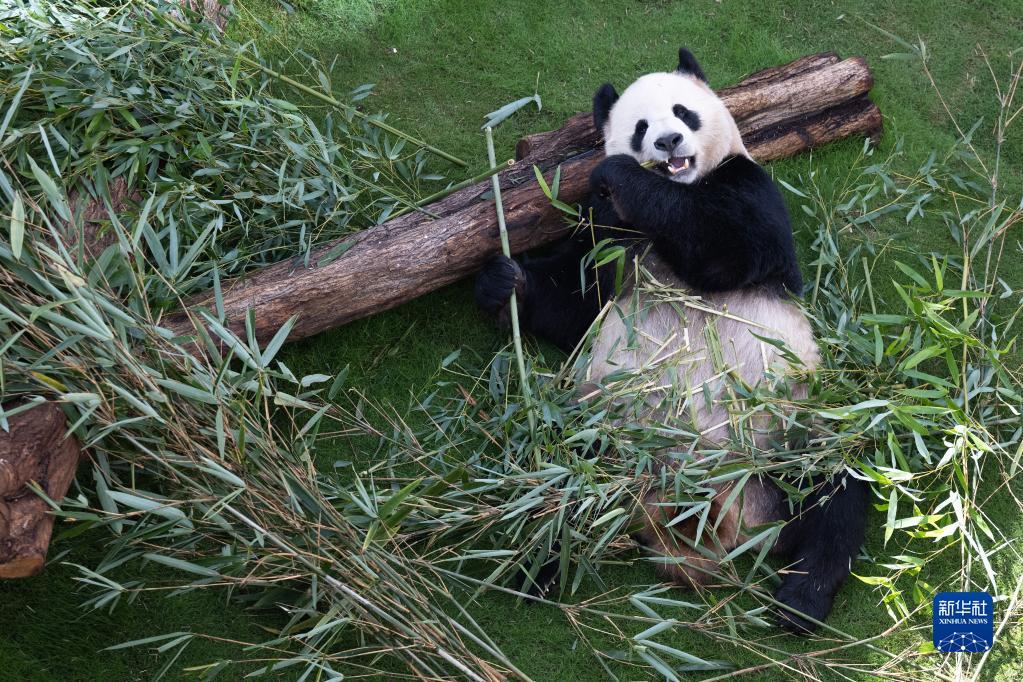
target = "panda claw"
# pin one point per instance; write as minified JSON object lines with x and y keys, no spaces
{"x":546,"y":578}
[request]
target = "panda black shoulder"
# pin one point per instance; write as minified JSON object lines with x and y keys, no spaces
{"x":749,"y":236}
{"x":740,"y":182}
{"x":727,"y":231}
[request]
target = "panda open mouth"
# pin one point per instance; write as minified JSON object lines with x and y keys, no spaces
{"x":675,"y":165}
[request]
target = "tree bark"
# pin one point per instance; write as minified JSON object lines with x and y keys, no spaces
{"x":780,"y":112}
{"x":87,"y":239}
{"x":35,"y":448}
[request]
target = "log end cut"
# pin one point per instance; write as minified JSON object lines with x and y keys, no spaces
{"x":35,"y":448}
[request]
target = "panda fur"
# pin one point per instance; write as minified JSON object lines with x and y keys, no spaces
{"x":709,"y":220}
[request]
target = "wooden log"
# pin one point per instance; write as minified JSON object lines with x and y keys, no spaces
{"x":393,"y":262}
{"x":773,"y":101}
{"x":784,"y":111}
{"x":755,"y":103}
{"x":810,"y":62}
{"x":213,"y":11}
{"x":35,"y":448}
{"x":87,"y":239}
{"x":858,"y":116}
{"x":576,"y":136}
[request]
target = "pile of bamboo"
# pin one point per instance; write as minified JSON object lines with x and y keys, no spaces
{"x":780,"y":112}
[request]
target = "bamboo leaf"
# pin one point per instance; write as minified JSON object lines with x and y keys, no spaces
{"x":17,"y":226}
{"x":146,"y":640}
{"x":12,"y":108}
{"x":889,"y":526}
{"x":49,"y":187}
{"x":497,"y":116}
{"x":181,"y":565}
{"x":275,"y":344}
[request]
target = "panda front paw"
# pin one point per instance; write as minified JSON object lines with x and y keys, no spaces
{"x":495,"y":283}
{"x":611,"y":172}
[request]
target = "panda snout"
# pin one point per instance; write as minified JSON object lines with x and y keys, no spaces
{"x":667,"y":143}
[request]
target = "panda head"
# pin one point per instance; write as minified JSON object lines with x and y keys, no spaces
{"x":672,"y":118}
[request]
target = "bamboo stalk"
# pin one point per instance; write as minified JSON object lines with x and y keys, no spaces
{"x":527,"y":395}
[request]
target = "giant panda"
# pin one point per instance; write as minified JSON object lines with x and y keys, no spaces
{"x":705,"y":219}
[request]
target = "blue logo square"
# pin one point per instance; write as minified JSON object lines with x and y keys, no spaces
{"x":964,"y":622}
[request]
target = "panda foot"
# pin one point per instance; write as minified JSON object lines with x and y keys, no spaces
{"x":546,"y":577}
{"x":495,"y":283}
{"x":794,"y":624}
{"x":799,"y":593}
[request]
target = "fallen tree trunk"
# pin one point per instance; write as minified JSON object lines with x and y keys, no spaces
{"x":34,"y":449}
{"x":780,"y":112}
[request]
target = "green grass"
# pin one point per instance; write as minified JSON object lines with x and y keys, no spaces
{"x":49,"y":636}
{"x":438,"y":68}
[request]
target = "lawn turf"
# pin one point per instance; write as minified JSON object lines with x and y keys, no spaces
{"x":438,"y":68}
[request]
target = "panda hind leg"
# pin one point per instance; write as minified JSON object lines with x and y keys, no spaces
{"x":821,"y":542}
{"x":679,"y":562}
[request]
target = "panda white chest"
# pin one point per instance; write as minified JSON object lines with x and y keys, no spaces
{"x":676,"y":350}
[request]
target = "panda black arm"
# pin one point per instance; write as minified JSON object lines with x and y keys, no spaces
{"x":553,"y":304}
{"x":727,"y":231}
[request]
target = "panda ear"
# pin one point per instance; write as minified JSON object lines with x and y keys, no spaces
{"x":603,"y":100}
{"x":687,"y":65}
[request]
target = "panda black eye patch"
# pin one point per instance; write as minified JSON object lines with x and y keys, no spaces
{"x":637,"y":136}
{"x":690,"y":118}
